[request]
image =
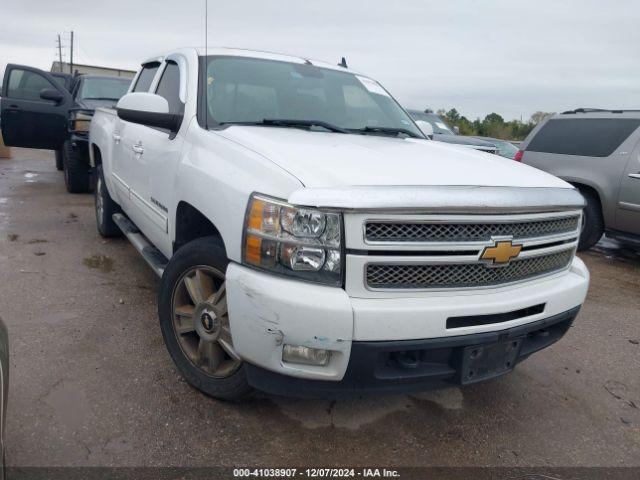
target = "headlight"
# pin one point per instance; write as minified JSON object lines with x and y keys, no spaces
{"x":296,"y":241}
{"x":80,"y":121}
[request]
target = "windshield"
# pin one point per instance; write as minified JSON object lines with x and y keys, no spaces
{"x":103,"y":88}
{"x":251,"y":90}
{"x":438,"y":124}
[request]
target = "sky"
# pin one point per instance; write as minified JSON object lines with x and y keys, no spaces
{"x":511,"y":57}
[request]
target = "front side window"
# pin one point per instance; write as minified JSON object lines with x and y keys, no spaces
{"x":590,"y":137}
{"x":146,"y":77}
{"x":96,"y":88}
{"x":169,"y":87}
{"x":251,"y":90}
{"x":27,"y":85}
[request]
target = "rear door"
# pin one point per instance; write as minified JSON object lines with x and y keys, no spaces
{"x":156,"y":153}
{"x":126,"y":137}
{"x":628,"y":216}
{"x":27,"y":118}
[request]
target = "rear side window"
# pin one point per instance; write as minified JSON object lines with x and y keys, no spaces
{"x":169,"y":87}
{"x":589,"y":137}
{"x":146,"y":77}
{"x":27,"y":85}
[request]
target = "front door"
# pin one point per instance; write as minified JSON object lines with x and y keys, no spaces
{"x":34,"y":109}
{"x":628,"y":217}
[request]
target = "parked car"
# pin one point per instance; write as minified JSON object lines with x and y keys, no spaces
{"x":598,"y":152}
{"x":53,"y":111}
{"x":311,"y":241}
{"x":437,"y":129}
{"x":505,"y":148}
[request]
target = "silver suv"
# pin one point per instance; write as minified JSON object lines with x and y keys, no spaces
{"x":598,"y":151}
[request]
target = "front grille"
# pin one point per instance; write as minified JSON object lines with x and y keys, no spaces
{"x":378,"y":231}
{"x":464,"y":275}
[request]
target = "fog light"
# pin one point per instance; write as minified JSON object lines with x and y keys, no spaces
{"x":305,"y":355}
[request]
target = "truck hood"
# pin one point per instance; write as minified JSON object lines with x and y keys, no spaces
{"x":326,"y":160}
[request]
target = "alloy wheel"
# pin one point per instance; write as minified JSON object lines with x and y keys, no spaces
{"x":201,"y":321}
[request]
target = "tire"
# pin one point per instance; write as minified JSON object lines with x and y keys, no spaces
{"x":593,"y":225}
{"x":59,"y":160}
{"x":77,"y":177}
{"x":105,"y":208}
{"x":204,"y":254}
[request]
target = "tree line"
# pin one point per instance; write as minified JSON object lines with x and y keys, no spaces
{"x":493,"y":125}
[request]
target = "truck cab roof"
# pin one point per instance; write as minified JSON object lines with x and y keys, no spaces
{"x":239,"y":52}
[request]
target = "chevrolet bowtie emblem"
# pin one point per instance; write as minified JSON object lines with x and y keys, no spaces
{"x":501,"y":253}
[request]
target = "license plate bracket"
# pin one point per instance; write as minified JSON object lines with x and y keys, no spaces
{"x":482,"y":362}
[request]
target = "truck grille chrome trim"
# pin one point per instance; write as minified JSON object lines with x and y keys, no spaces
{"x":464,"y":275}
{"x":405,"y":231}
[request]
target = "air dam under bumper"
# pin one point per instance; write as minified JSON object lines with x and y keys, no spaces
{"x":268,"y":311}
{"x":408,"y":366}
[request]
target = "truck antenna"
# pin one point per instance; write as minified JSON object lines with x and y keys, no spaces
{"x":343,"y":63}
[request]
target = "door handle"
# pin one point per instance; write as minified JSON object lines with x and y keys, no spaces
{"x":138,"y":148}
{"x":116,"y":138}
{"x":635,"y":175}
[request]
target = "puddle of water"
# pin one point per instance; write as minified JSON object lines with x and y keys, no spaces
{"x":447,"y":399}
{"x":99,"y":262}
{"x":616,"y":250}
{"x":30,"y":177}
{"x":348,"y":414}
{"x":356,"y":413}
{"x":3,"y":200}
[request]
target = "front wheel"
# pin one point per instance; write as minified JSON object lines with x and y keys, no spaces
{"x":77,"y":177}
{"x":194,"y":319}
{"x":59,"y":160}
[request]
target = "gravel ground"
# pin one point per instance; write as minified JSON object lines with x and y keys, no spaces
{"x":92,"y":383}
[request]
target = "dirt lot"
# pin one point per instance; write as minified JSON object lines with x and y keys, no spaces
{"x":92,"y":383}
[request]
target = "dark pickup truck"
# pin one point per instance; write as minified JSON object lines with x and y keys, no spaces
{"x":53,"y":111}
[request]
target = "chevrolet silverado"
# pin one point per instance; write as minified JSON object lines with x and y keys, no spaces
{"x":311,"y":241}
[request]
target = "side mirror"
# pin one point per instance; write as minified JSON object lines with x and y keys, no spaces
{"x":456,"y":130}
{"x":52,"y":94}
{"x":426,"y":128}
{"x":148,"y":109}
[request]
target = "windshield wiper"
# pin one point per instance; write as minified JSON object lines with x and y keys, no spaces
{"x":385,"y":130}
{"x":285,"y":122}
{"x":303,"y":123}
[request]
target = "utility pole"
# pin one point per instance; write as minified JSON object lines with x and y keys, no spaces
{"x":59,"y":54}
{"x":71,"y":55}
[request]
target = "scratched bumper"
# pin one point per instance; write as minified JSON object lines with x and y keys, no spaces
{"x":409,"y":366}
{"x":267,"y":311}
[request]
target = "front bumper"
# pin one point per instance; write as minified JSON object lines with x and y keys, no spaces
{"x":267,"y":312}
{"x":409,"y":366}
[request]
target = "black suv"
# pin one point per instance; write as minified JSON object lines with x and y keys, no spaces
{"x":53,"y":111}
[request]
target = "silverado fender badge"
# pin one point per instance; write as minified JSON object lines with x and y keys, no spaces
{"x":501,"y":253}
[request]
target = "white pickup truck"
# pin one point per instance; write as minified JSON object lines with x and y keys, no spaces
{"x":311,"y":241}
